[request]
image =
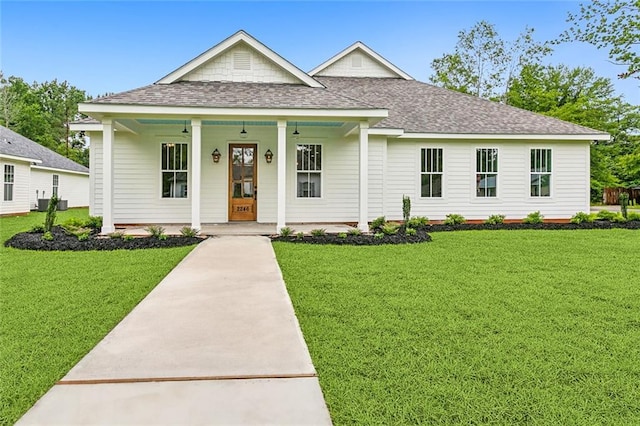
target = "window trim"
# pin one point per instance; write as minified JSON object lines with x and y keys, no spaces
{"x":161,"y":142}
{"x":476,"y":172}
{"x":530,"y":149}
{"x":9,"y":171}
{"x":320,"y":172}
{"x":55,"y":184}
{"x":421,"y":149}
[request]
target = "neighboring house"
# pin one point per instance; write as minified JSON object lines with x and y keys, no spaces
{"x":31,"y":171}
{"x":347,"y":139}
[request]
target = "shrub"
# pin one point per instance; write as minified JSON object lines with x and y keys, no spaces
{"x":354,"y":231}
{"x":377,"y":223}
{"x":321,"y":232}
{"x":418,"y":222}
{"x":633,"y":216}
{"x":37,"y":228}
{"x":406,"y":208}
{"x":390,"y":228}
{"x":286,"y":231}
{"x":187,"y":231}
{"x":378,"y":235}
{"x":300,"y":235}
{"x":84,"y":235}
{"x":624,"y":202}
{"x":94,"y":222}
{"x":533,"y":217}
{"x":582,"y":217}
{"x":116,"y":235}
{"x":156,"y":231}
{"x":495,"y":219}
{"x":454,"y":219}
{"x":342,"y":235}
{"x":47,"y":236}
{"x":74,"y":223}
{"x":618,"y":217}
{"x":410,"y":231}
{"x":50,"y":217}
{"x":606,"y":215}
{"x":128,"y":237}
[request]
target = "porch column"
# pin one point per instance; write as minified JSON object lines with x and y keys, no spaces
{"x":282,"y":174}
{"x":363,"y":223}
{"x":196,"y":166}
{"x":107,"y":176}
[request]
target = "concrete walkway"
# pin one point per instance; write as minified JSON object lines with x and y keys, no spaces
{"x":216,"y":342}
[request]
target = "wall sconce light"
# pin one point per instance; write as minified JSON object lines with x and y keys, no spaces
{"x":243,"y":133}
{"x":216,"y":155}
{"x":268,"y":156}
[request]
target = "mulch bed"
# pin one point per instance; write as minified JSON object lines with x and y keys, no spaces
{"x":359,"y":240}
{"x":598,"y":224}
{"x":65,"y":242}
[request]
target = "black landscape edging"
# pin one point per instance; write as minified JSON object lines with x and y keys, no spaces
{"x":65,"y":242}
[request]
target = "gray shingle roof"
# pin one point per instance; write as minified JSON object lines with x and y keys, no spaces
{"x":11,"y":143}
{"x":418,"y":107}
{"x":234,"y":95}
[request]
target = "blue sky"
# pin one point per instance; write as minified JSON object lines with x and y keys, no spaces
{"x":115,"y":46}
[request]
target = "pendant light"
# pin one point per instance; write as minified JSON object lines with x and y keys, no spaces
{"x":243,"y":133}
{"x":296,"y":133}
{"x":185,"y":127}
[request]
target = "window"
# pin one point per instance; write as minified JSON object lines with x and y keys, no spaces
{"x":8,"y":182}
{"x":431,"y":172}
{"x":486,"y":172}
{"x":54,"y":190}
{"x":309,"y":170}
{"x":540,"y":172}
{"x":174,"y":170}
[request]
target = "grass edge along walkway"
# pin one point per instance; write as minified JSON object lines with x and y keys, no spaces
{"x":56,"y":306}
{"x":476,"y":327}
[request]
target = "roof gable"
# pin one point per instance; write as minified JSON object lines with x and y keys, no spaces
{"x":358,"y":60}
{"x":240,"y":58}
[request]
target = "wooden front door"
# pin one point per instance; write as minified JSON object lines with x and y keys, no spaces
{"x":242,"y":182}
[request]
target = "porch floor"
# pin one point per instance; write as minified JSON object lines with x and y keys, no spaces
{"x":240,"y":228}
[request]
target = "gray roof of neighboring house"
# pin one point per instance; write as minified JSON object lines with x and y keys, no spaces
{"x":413,"y":106}
{"x":11,"y":143}
{"x":418,"y":107}
{"x":234,"y":95}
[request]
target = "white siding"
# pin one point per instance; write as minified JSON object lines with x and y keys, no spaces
{"x":71,"y":187}
{"x":357,"y":64}
{"x":570,"y":180}
{"x":241,"y":64}
{"x":21,"y":196}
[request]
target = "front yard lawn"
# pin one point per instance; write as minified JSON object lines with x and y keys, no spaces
{"x":55,"y":306}
{"x":476,"y":327}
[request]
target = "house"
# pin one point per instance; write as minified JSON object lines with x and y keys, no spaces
{"x":240,"y":133}
{"x":31,"y":171}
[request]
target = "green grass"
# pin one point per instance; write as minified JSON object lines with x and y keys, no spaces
{"x":478,"y":327}
{"x":55,"y":306}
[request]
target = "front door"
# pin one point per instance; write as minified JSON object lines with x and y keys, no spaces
{"x":242,"y":182}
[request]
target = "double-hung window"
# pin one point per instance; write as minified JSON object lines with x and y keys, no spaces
{"x":9,"y":172}
{"x":540,"y":172}
{"x":431,"y":172}
{"x":54,"y":189}
{"x":174,"y":170}
{"x":487,"y":172}
{"x":309,"y":170}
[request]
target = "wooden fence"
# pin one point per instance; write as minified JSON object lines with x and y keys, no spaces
{"x":610,"y":195}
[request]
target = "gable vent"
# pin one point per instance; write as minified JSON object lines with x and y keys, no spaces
{"x":356,"y":61}
{"x":241,"y":61}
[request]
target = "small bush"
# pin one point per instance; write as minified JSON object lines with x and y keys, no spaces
{"x":83,"y":236}
{"x":390,"y":228}
{"x":162,"y":237}
{"x":94,"y":222}
{"x":156,"y":231}
{"x":354,"y":231}
{"x":378,"y":235}
{"x":377,"y":223}
{"x":495,"y":219}
{"x":624,"y":202}
{"x":582,"y":217}
{"x":342,"y":235}
{"x":47,"y":236}
{"x":187,"y":231}
{"x":37,"y":228}
{"x":410,"y":232}
{"x":128,"y":237}
{"x":300,"y":235}
{"x":606,"y":215}
{"x":319,"y":232}
{"x":533,"y":217}
{"x":454,"y":219}
{"x":74,"y":222}
{"x":286,"y":231}
{"x":50,"y":217}
{"x":417,"y":222}
{"x":633,"y":216}
{"x":406,"y":208}
{"x":618,"y":217}
{"x":116,"y":235}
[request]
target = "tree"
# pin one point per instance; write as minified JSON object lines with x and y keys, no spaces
{"x":612,"y":25}
{"x":483,"y":64}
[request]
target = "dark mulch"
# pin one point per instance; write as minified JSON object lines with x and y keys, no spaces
{"x":66,"y":242}
{"x":554,"y":226}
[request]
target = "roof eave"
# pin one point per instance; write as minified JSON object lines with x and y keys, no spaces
{"x":56,"y":169}
{"x":509,"y":136}
{"x":19,"y":158}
